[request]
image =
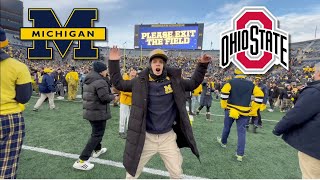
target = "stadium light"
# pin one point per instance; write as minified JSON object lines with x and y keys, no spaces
{"x":124,"y":53}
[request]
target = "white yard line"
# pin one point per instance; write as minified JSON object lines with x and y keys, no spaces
{"x":102,"y":161}
{"x":65,"y":100}
{"x":219,"y":115}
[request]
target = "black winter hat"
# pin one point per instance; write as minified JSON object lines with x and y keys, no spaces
{"x":99,"y":67}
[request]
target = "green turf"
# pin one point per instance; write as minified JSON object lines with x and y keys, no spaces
{"x":64,"y":129}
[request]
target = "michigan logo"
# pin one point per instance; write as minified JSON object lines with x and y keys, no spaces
{"x":254,"y":43}
{"x":47,"y":27}
{"x":168,"y":89}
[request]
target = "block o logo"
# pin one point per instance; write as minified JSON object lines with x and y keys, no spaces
{"x":255,"y":43}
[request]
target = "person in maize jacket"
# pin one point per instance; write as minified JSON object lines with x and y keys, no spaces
{"x":195,"y":98}
{"x":236,"y":99}
{"x":256,"y":120}
{"x":125,"y":105}
{"x":15,"y":91}
{"x":159,"y":121}
{"x":72,"y":79}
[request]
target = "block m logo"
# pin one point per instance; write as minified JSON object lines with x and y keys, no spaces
{"x":47,"y":27}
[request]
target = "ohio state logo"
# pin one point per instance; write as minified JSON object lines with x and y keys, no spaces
{"x":255,"y":43}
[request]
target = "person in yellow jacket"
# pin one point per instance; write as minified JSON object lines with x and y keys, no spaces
{"x":15,"y":91}
{"x":125,"y":105}
{"x":235,"y":100}
{"x":72,"y":79}
{"x":256,"y":120}
{"x":195,"y":98}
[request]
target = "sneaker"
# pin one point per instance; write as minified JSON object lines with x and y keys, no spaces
{"x":208,"y":116}
{"x":247,"y":127}
{"x":96,"y":154}
{"x":221,"y":144}
{"x":239,"y":158}
{"x":255,"y":129}
{"x":84,"y":165}
{"x":60,"y":98}
{"x":35,"y":109}
{"x":270,"y":110}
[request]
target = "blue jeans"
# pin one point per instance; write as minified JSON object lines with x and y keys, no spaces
{"x":241,"y":128}
{"x":194,"y":99}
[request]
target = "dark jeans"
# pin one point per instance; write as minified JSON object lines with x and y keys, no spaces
{"x":271,"y":102}
{"x":60,"y":89}
{"x":241,"y":128}
{"x":208,"y":108}
{"x":94,"y":143}
{"x":256,"y":120}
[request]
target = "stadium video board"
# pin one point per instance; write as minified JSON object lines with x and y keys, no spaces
{"x":169,"y":36}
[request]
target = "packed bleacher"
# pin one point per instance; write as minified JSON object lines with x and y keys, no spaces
{"x":303,"y":56}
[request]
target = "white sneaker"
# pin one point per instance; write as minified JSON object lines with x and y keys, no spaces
{"x":221,"y":144}
{"x":60,"y":97}
{"x":98,"y":153}
{"x":270,"y":110}
{"x":85,"y":165}
{"x":239,"y":158}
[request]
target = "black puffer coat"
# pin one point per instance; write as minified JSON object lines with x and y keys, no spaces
{"x":137,"y":121}
{"x":96,"y":98}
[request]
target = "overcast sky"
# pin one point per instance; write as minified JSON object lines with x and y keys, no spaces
{"x":297,"y":17}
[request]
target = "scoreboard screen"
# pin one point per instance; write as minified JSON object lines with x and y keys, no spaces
{"x":169,"y":36}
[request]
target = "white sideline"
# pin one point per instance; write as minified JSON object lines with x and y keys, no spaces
{"x":102,"y":161}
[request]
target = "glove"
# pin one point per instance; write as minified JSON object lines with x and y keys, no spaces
{"x":263,"y":107}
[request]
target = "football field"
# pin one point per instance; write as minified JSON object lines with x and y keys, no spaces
{"x":55,"y":138}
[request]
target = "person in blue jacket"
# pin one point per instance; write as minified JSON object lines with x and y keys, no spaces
{"x":46,"y":89}
{"x":300,"y":128}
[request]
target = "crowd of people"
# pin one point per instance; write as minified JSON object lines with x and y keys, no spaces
{"x":130,"y":81}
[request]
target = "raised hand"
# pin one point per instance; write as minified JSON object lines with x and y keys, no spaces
{"x":205,"y":59}
{"x":114,"y":54}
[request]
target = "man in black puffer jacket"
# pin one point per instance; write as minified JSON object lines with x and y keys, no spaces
{"x":96,"y":98}
{"x":159,"y":121}
{"x":301,"y":125}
